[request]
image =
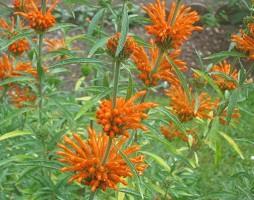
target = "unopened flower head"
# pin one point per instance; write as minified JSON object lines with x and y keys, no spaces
{"x":85,"y":159}
{"x":126,"y":115}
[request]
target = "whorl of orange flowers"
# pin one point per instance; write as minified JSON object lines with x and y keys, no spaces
{"x":18,"y":47}
{"x":172,"y":30}
{"x":145,"y":63}
{"x":85,"y":158}
{"x":223,"y":82}
{"x":127,"y":49}
{"x":245,"y":41}
{"x":186,"y":109}
{"x":22,"y":5}
{"x":55,"y":44}
{"x":126,"y":115}
{"x":38,"y":20}
{"x":19,"y":97}
{"x":235,"y":115}
{"x":8,"y":70}
{"x":171,"y":132}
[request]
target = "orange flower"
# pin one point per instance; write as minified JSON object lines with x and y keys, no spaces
{"x":7,"y":68}
{"x":85,"y":159}
{"x":186,"y":109}
{"x":165,"y":70}
{"x":18,"y":47}
{"x":173,"y":30}
{"x":127,"y":49}
{"x":235,"y":115}
{"x":223,"y":82}
{"x":21,"y":5}
{"x":55,"y":44}
{"x":125,"y":116}
{"x":172,"y":132}
{"x":245,"y":42}
{"x":19,"y":97}
{"x":38,"y":20}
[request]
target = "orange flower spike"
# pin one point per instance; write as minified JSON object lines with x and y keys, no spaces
{"x":125,"y":116}
{"x":88,"y":167}
{"x":19,"y":47}
{"x":184,"y":108}
{"x":171,"y":133}
{"x":38,"y":20}
{"x":128,"y":48}
{"x":6,"y":67}
{"x":20,"y":96}
{"x":165,"y":70}
{"x":224,"y":83}
{"x":245,"y":42}
{"x":173,"y":30}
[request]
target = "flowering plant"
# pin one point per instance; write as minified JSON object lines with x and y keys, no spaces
{"x":138,"y":122}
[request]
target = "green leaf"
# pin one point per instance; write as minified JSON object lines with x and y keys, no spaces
{"x":15,"y":80}
{"x":124,"y":30}
{"x":232,"y":104}
{"x":14,"y":134}
{"x":180,"y":76}
{"x":133,"y":169}
{"x":210,"y":81}
{"x":94,"y":22}
{"x":232,"y":143}
{"x":218,"y":57}
{"x":99,"y":44}
{"x":71,"y":61}
{"x":129,"y":88}
{"x":158,"y":160}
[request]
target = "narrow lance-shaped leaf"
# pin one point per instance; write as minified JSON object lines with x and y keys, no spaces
{"x":124,"y":30}
{"x":180,"y":76}
{"x":94,"y":22}
{"x":232,"y":143}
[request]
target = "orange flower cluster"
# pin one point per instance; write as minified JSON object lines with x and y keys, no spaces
{"x":127,"y":49}
{"x":124,"y":116}
{"x":55,"y":44}
{"x":8,"y":70}
{"x":173,"y":30}
{"x":172,"y":132}
{"x":235,"y":115}
{"x":165,"y":70}
{"x":38,"y":20}
{"x":245,"y":41}
{"x":186,"y":109}
{"x":18,"y":47}
{"x":19,"y":97}
{"x":226,"y":69}
{"x":85,"y":159}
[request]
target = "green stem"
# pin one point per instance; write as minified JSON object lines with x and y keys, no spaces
{"x":178,"y":3}
{"x":157,"y":63}
{"x":40,"y":74}
{"x":116,"y":81}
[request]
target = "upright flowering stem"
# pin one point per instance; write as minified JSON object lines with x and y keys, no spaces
{"x":117,"y":64}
